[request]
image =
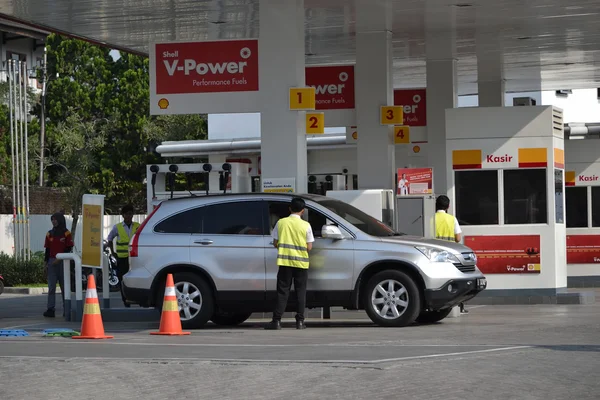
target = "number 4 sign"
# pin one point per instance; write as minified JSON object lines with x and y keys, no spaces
{"x":401,"y":134}
{"x":315,"y":123}
{"x":392,"y":115}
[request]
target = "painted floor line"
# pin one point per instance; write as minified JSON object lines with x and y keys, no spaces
{"x":234,"y":345}
{"x":271,"y":361}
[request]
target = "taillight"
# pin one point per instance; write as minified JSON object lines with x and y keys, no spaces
{"x":133,"y":251}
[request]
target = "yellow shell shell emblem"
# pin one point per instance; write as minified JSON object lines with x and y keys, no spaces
{"x":416,"y":149}
{"x":354,"y":135}
{"x":163,"y":104}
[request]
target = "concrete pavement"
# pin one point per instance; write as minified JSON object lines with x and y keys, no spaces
{"x":494,"y":352}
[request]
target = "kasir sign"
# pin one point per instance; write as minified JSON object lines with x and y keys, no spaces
{"x":206,"y":67}
{"x":334,"y":86}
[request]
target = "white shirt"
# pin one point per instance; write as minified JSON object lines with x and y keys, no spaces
{"x":457,"y":229}
{"x":309,"y":233}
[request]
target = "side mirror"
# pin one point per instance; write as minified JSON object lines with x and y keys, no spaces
{"x":331,"y":232}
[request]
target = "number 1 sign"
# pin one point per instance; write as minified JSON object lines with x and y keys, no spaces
{"x":302,"y":99}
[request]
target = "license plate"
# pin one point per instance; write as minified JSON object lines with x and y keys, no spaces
{"x":481,"y":282}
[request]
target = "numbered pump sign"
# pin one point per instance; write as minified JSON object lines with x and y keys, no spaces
{"x":391,"y":115}
{"x":315,"y":123}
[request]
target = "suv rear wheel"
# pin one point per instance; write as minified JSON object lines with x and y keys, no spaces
{"x":194,"y":298}
{"x":391,"y":298}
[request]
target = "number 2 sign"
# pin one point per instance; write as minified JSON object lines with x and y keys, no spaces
{"x":315,"y":123}
{"x":391,"y":115}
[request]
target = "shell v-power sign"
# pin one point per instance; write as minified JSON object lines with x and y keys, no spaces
{"x":204,"y":77}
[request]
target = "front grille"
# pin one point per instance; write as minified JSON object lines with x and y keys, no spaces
{"x":465,"y":268}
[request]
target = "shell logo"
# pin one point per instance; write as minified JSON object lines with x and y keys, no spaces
{"x":416,"y":149}
{"x":163,"y":104}
{"x":354,"y":135}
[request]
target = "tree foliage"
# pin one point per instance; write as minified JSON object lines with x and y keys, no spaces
{"x":100,"y":136}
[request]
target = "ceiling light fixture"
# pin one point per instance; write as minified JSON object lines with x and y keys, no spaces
{"x":524,"y":37}
{"x":462,"y":5}
{"x":217,"y":22}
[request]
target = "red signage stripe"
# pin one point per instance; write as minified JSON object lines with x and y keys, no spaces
{"x":569,"y":183}
{"x":533,"y":165}
{"x":466,"y":166}
{"x":559,"y":165}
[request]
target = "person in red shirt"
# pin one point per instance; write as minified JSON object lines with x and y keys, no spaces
{"x":58,"y":240}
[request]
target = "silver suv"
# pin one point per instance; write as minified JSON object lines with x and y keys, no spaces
{"x":219,"y":249}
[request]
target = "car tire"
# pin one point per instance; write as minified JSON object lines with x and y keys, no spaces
{"x":230,"y":318}
{"x":404,"y":297}
{"x":431,"y":317}
{"x":207,"y":303}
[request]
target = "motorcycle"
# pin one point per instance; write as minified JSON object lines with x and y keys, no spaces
{"x":113,"y":277}
{"x":1,"y":284}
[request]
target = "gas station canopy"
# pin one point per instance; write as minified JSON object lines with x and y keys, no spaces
{"x":541,"y":44}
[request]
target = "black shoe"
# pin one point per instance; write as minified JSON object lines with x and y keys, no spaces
{"x":127,"y":305}
{"x":49,"y":313}
{"x":274,"y":325}
{"x":300,"y":325}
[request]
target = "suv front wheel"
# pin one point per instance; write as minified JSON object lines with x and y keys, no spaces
{"x":194,"y":298}
{"x":391,"y":298}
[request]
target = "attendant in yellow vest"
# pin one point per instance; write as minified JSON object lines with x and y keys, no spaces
{"x":293,"y":238}
{"x":446,"y":226}
{"x":123,"y":231}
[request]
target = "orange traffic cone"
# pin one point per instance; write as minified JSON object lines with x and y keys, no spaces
{"x":170,"y":322}
{"x":91,"y":326}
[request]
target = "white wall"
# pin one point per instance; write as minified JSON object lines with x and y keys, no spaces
{"x":40,"y":224}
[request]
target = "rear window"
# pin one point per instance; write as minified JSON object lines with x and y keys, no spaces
{"x":189,"y":221}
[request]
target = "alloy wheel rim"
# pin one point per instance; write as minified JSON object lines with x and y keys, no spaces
{"x":389,"y":299}
{"x":189,"y":300}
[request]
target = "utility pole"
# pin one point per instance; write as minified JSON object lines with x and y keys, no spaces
{"x":43,"y":119}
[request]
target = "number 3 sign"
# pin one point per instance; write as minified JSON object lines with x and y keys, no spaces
{"x":392,"y":115}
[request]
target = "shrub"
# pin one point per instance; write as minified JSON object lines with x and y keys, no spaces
{"x":18,"y":272}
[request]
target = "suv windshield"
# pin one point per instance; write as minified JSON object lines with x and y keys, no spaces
{"x":359,"y":219}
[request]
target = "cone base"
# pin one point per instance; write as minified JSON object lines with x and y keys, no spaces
{"x":171,"y":334}
{"x":92,"y":337}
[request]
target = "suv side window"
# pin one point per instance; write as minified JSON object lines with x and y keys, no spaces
{"x":235,"y":218}
{"x":277,"y":210}
{"x":189,"y":221}
{"x":316,"y":220}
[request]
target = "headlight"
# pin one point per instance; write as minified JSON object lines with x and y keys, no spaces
{"x":437,"y":255}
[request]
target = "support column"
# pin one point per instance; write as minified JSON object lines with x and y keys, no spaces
{"x":490,"y":70}
{"x":442,"y":93}
{"x":281,"y":60}
{"x":374,"y":87}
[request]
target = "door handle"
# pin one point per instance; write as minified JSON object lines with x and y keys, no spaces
{"x":203,"y":241}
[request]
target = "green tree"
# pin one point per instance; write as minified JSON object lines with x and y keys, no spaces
{"x":87,"y":82}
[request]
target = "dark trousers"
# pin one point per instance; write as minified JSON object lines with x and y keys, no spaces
{"x":122,"y":269}
{"x":284,"y":284}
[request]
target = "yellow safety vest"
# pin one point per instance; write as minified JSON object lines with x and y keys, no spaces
{"x":444,"y":226}
{"x":124,"y":238}
{"x":292,"y":248}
